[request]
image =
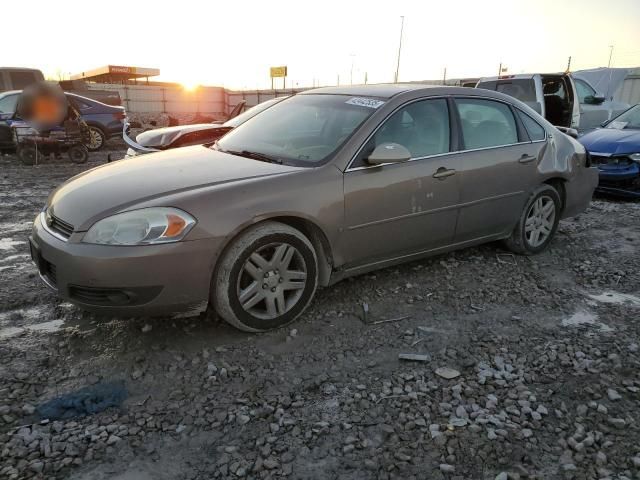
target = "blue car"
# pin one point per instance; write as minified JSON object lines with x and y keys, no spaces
{"x":615,"y":150}
{"x":104,"y":121}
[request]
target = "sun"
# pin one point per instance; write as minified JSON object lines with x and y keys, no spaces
{"x":189,"y":86}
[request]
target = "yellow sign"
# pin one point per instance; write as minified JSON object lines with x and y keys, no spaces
{"x":278,"y":72}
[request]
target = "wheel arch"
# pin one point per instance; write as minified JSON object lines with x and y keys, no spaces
{"x":559,"y":184}
{"x":308,"y":228}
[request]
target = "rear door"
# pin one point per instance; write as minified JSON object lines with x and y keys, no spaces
{"x":397,"y":209}
{"x":498,"y":168}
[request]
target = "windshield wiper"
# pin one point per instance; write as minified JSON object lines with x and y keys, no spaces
{"x":263,"y":157}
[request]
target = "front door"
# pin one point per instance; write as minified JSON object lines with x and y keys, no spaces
{"x":499,"y":166}
{"x":397,"y":209}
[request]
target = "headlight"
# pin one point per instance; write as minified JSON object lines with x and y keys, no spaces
{"x":635,"y":157}
{"x":141,"y":227}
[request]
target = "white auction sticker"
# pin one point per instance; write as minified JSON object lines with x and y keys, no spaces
{"x":365,"y":102}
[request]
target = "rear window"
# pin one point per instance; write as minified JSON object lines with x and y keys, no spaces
{"x":522,"y":89}
{"x":535,"y":131}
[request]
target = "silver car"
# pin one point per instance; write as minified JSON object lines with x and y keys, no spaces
{"x":326,"y":184}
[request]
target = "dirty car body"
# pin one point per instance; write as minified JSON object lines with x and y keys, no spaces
{"x":327,"y":184}
{"x":615,"y":150}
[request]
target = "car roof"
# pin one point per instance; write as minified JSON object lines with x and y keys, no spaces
{"x":382,"y":90}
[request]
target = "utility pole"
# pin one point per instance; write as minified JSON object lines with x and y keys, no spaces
{"x":444,"y":76}
{"x":569,"y":64}
{"x":366,"y":77}
{"x":399,"y":47}
{"x":352,"y":55}
{"x":500,"y":69}
{"x":338,"y":82}
{"x":610,"y":55}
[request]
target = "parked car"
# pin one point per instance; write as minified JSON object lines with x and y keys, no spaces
{"x":326,"y":184}
{"x":562,"y":99}
{"x":15,"y":78}
{"x":104,"y":121}
{"x":615,"y":150}
{"x":185,"y":135}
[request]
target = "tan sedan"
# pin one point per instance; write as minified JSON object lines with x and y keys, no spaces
{"x":326,"y":184}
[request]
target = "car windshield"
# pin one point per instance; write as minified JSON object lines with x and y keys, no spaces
{"x":252,"y":112}
{"x":304,"y":130}
{"x":628,"y":120}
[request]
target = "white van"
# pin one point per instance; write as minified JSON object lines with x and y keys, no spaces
{"x":562,"y":99}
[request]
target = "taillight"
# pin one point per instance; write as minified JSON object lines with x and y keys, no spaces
{"x":120,"y":115}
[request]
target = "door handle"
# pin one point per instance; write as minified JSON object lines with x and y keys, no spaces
{"x":444,"y":172}
{"x":526,"y":158}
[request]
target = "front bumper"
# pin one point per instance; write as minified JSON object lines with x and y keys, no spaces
{"x":144,"y":280}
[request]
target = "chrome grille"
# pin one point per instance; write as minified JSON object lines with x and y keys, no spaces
{"x":59,"y":226}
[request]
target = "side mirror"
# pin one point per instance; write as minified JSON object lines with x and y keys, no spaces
{"x":572,"y":132}
{"x":596,"y":99}
{"x":389,"y":153}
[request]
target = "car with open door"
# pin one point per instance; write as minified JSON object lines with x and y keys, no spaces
{"x":326,"y":184}
{"x":563,"y":100}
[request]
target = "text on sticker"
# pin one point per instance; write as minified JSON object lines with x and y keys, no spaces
{"x":365,"y":102}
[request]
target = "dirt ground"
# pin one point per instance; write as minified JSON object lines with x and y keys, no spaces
{"x":530,"y":368}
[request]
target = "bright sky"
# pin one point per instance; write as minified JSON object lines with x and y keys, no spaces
{"x":234,"y":43}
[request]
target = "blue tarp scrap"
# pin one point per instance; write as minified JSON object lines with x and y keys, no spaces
{"x":86,"y":401}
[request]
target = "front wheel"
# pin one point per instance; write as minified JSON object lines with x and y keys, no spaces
{"x":538,"y":222}
{"x":266,"y":278}
{"x":78,"y":154}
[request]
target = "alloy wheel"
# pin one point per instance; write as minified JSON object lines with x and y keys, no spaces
{"x":272,"y":281}
{"x":95,"y":139}
{"x":540,"y":220}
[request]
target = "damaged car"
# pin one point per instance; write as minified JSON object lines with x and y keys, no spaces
{"x":615,"y":150}
{"x":327,"y":184}
{"x":177,"y":136}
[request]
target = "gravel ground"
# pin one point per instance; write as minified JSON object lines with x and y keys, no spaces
{"x":522,"y":368}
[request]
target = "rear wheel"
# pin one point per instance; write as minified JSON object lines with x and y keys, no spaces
{"x":97,"y":138}
{"x":266,"y":278}
{"x":538,"y":223}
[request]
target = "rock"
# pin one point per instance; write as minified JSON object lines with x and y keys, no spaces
{"x":414,"y":357}
{"x":446,"y":468}
{"x":613,"y":395}
{"x":502,"y":476}
{"x":601,"y":458}
{"x":617,"y":422}
{"x":447,"y":373}
{"x":113,"y":439}
{"x":37,"y":467}
{"x":243,"y":419}
{"x":403,"y":457}
{"x":146,"y":328}
{"x":270,"y":463}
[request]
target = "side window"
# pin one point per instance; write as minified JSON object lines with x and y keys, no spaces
{"x":8,"y":104}
{"x":486,"y":123}
{"x":583,"y":90}
{"x":535,"y":131}
{"x":524,"y":90}
{"x":421,"y":127}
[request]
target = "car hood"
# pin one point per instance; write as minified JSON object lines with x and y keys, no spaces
{"x":611,"y":141}
{"x":121,"y":185}
{"x":163,"y":137}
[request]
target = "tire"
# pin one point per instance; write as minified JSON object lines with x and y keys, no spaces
{"x":78,"y":154}
{"x":97,"y":139}
{"x":249,"y":267}
{"x":534,"y":217}
{"x":27,"y":155}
